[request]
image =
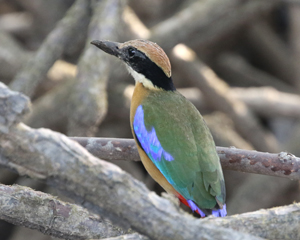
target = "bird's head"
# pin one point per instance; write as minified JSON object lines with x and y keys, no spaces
{"x":145,"y":60}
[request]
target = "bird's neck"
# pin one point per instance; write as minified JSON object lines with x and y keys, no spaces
{"x":139,"y":94}
{"x":153,"y":81}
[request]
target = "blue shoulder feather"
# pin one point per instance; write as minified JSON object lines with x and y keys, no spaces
{"x":148,"y":139}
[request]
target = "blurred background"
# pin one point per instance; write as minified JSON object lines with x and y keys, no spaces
{"x":236,"y":60}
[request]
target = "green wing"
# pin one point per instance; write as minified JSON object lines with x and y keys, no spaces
{"x":195,"y":170}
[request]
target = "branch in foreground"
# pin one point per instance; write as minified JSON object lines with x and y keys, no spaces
{"x":281,"y":165}
{"x":36,"y":210}
{"x":134,"y":236}
{"x":265,"y":221}
{"x":100,"y":186}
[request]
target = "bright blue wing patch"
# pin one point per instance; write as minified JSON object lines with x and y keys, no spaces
{"x":148,"y":139}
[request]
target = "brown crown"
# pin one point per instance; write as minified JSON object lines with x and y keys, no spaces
{"x":152,"y":51}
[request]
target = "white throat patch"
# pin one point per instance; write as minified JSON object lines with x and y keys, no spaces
{"x":138,"y":77}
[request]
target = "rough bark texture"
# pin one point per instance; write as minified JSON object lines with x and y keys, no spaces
{"x":14,"y":106}
{"x":281,"y":165}
{"x":286,"y":217}
{"x":43,"y":212}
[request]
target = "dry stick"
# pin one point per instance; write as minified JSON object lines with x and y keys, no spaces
{"x":48,"y":110}
{"x":197,"y":16}
{"x":12,"y":56}
{"x":265,"y":101}
{"x":16,"y":23}
{"x":286,"y":217}
{"x":45,"y":213}
{"x":281,"y":165}
{"x":216,"y":91}
{"x":272,"y":52}
{"x":134,"y":236}
{"x":14,"y":106}
{"x":223,"y":131}
{"x":206,"y":22}
{"x":88,"y":100}
{"x":64,"y":33}
{"x":269,"y":102}
{"x":61,"y":147}
{"x":236,"y":68}
{"x":100,"y":186}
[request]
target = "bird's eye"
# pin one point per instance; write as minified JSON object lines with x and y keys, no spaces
{"x":131,"y":52}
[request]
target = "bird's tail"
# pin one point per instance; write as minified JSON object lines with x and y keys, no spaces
{"x":203,"y":213}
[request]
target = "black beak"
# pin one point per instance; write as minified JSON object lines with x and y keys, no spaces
{"x":109,"y":47}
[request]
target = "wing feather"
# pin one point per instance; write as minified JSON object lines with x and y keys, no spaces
{"x":175,"y":137}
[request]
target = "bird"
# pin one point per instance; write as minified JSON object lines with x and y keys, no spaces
{"x":172,"y":138}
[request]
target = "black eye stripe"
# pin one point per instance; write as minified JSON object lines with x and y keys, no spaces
{"x":131,"y":52}
{"x":140,"y":63}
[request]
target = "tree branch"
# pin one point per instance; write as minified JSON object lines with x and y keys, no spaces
{"x":266,"y":222}
{"x":193,"y":24}
{"x":65,"y":32}
{"x":45,"y":213}
{"x":281,"y":165}
{"x":82,"y":120}
{"x":134,"y":236}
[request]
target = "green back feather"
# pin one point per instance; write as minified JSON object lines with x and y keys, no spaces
{"x":195,"y":171}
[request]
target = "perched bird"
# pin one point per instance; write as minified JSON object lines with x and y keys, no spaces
{"x":173,"y":141}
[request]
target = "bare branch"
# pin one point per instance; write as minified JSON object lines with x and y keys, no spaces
{"x":273,"y":53}
{"x":14,"y":106}
{"x":193,"y":24}
{"x":12,"y":56}
{"x":238,"y":70}
{"x":45,"y":213}
{"x":47,"y":111}
{"x":90,"y":85}
{"x":265,"y":222}
{"x":16,"y":23}
{"x":281,"y":165}
{"x":269,"y":102}
{"x":134,"y":236}
{"x":35,"y":70}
